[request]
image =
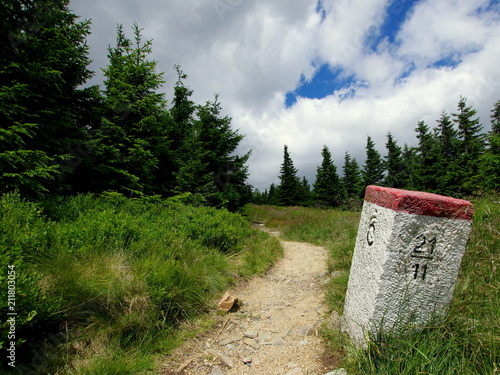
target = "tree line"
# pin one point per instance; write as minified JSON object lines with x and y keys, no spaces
{"x":59,"y":137}
{"x":455,"y":158}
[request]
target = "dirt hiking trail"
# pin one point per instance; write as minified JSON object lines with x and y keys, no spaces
{"x":276,"y":329}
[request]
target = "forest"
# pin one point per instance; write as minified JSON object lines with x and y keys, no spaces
{"x":61,"y":137}
{"x":455,"y":158}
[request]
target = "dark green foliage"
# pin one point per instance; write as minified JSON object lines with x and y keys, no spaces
{"x":455,"y":159}
{"x":394,"y":164}
{"x":426,"y":163}
{"x":471,"y":145}
{"x":228,"y":172}
{"x":490,"y":161}
{"x":58,"y":138}
{"x":305,"y":192}
{"x":290,"y":188}
{"x":373,"y":171}
{"x":202,"y":153}
{"x":184,"y":162}
{"x":43,"y":62}
{"x":132,"y":138}
{"x":352,"y":183}
{"x":327,"y":189}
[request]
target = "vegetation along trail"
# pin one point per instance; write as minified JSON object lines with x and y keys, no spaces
{"x":276,"y":329}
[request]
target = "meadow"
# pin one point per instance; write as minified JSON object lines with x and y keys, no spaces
{"x":467,"y":342}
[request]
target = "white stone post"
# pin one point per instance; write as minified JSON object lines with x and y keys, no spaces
{"x":405,"y":263}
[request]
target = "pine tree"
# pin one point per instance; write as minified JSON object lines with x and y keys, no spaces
{"x":352,"y":182}
{"x":394,"y":164}
{"x":373,"y":171}
{"x":133,"y":136}
{"x":289,"y":188}
{"x":326,"y":189}
{"x":43,"y":63}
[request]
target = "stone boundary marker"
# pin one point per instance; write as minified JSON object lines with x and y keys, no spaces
{"x":406,"y":261}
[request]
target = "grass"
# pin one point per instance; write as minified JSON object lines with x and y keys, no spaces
{"x":104,"y":283}
{"x":468,"y":342}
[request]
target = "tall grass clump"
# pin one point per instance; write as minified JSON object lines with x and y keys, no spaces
{"x":104,"y":282}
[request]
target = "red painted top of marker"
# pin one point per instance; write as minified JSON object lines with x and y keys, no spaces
{"x":419,"y":203}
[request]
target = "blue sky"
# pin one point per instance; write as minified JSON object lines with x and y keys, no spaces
{"x":308,"y":73}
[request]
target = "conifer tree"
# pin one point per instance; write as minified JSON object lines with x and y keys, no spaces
{"x":352,"y":182}
{"x":306,"y":192}
{"x":326,"y":189}
{"x":471,"y":147}
{"x":373,"y":171}
{"x":490,"y":162}
{"x":446,"y":141}
{"x":425,"y":171}
{"x":184,"y":161}
{"x":228,"y":172}
{"x":394,"y":164}
{"x":410,"y":164}
{"x":126,"y":157}
{"x":43,"y":63}
{"x":289,"y":189}
{"x":272,"y":196}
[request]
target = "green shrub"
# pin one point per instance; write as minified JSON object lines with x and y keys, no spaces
{"x":110,"y":275}
{"x":24,"y":236}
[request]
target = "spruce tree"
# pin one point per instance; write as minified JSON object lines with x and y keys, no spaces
{"x":306,"y":192}
{"x":471,"y":146}
{"x":410,"y":164}
{"x":425,"y":171}
{"x":394,"y":165}
{"x":289,"y":189}
{"x":184,"y":151}
{"x":373,"y":171}
{"x":490,"y":161}
{"x":326,"y":189}
{"x":446,"y":142}
{"x":219,"y":142}
{"x":43,"y":64}
{"x":272,"y":195}
{"x":352,"y":181}
{"x":132,"y":137}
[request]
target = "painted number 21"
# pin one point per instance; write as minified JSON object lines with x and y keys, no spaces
{"x":422,"y":253}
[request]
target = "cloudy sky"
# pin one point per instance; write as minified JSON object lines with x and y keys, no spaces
{"x":308,"y":73}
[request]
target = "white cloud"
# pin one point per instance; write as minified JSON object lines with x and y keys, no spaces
{"x":254,"y":52}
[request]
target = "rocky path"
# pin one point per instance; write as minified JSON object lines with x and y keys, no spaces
{"x":275,"y":331}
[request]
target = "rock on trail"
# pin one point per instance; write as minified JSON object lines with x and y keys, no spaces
{"x":276,"y":328}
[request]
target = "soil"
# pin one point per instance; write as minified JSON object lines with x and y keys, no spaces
{"x":276,"y":328}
